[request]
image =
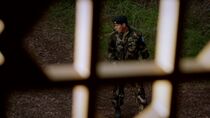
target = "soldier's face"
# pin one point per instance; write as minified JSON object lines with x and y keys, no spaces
{"x":119,"y":27}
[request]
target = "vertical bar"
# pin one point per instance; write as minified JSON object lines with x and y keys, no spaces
{"x":167,"y":34}
{"x":1,"y":58}
{"x":83,"y":36}
{"x":162,"y":94}
{"x":1,"y":29}
{"x":1,"y":26}
{"x":161,"y":101}
{"x":80,"y":102}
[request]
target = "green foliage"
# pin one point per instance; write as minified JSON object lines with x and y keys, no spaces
{"x":142,"y":15}
{"x":196,"y":28}
{"x":62,"y":15}
{"x":193,"y":42}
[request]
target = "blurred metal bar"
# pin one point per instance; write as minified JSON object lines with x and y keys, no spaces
{"x":199,"y":64}
{"x":128,"y":69}
{"x":62,"y":72}
{"x":2,"y":59}
{"x":167,"y":34}
{"x":161,"y":101}
{"x":80,"y":102}
{"x":83,"y":37}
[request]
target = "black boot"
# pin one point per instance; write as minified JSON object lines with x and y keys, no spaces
{"x":141,"y":98}
{"x":118,"y":96}
{"x":117,"y":113}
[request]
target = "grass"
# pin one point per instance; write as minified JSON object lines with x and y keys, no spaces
{"x":196,"y":28}
{"x":62,"y":13}
{"x":142,"y":18}
{"x":193,"y":42}
{"x":142,"y":15}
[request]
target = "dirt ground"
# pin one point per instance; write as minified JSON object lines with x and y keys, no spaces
{"x":54,"y":46}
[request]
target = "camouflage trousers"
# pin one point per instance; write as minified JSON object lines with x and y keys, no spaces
{"x":118,"y":97}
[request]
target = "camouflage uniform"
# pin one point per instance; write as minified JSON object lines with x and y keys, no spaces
{"x":126,"y":46}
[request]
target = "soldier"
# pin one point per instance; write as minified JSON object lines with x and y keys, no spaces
{"x":126,"y":44}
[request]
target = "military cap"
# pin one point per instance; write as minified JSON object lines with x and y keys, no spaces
{"x":120,"y":20}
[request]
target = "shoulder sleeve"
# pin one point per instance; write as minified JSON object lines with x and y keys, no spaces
{"x":143,"y":51}
{"x":111,"y":48}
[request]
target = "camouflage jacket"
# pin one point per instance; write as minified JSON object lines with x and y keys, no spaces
{"x":127,"y":46}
